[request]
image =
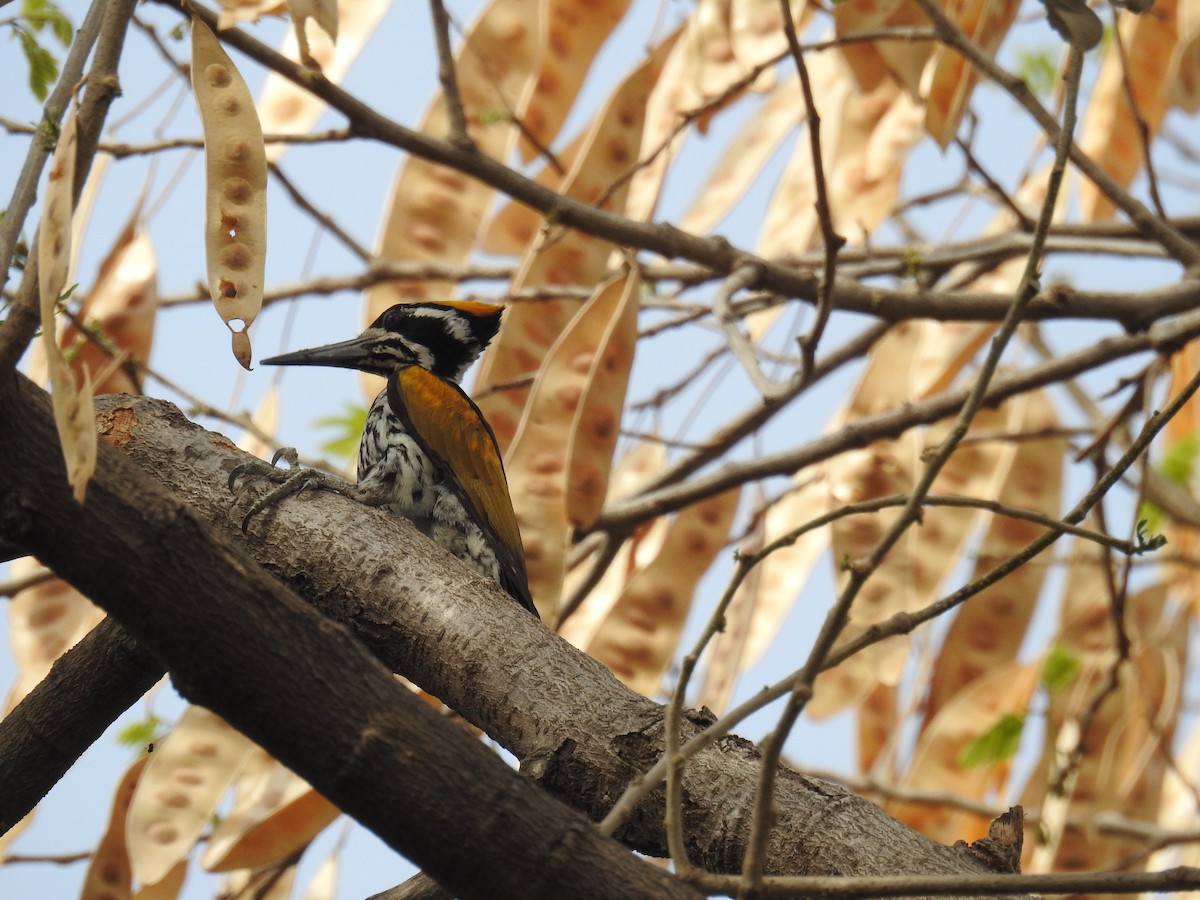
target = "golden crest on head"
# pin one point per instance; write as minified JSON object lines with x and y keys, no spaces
{"x":452,"y":431}
{"x":472,"y":307}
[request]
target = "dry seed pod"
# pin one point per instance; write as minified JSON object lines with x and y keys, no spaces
{"x":631,"y":474}
{"x":746,"y":156}
{"x":639,"y":637}
{"x":433,"y":212}
{"x":977,"y":468}
{"x":54,"y":232}
{"x":286,"y":108}
{"x":987,"y":633}
{"x":1120,"y":768}
{"x":73,"y":412}
{"x":43,"y":622}
{"x":756,"y":33}
{"x":574,"y":32}
{"x":179,"y":791}
{"x":108,"y":875}
{"x":1110,"y":132}
{"x":573,"y":258}
{"x":878,"y":725}
{"x":235,"y":215}
{"x":1183,"y":83}
{"x":865,"y":137}
{"x":673,"y":94}
{"x":598,"y":417}
{"x":879,"y":470}
{"x":324,"y":882}
{"x":538,"y":457}
{"x":1006,"y":690}
{"x":515,"y":226}
{"x":324,"y":13}
{"x":948,"y":81}
{"x":755,"y":617}
{"x":790,"y":220}
{"x":276,"y":814}
{"x":83,"y":207}
{"x":166,"y":888}
{"x":233,"y":12}
{"x":864,"y":59}
{"x":121,"y":306}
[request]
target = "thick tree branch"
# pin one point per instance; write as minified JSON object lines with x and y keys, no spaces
{"x":575,"y":728}
{"x":244,"y":645}
{"x":87,"y":688}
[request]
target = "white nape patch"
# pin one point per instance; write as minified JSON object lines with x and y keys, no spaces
{"x":457,"y":328}
{"x":452,"y":319}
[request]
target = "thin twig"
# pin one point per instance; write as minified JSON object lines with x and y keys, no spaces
{"x":151,"y":33}
{"x":121,"y":149}
{"x":449,"y":78}
{"x":1143,"y":129}
{"x":997,"y":190}
{"x":14,"y":586}
{"x":830,"y":238}
{"x":324,"y":219}
{"x":743,"y":278}
{"x":60,"y":859}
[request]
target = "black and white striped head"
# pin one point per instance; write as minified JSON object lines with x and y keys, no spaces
{"x":444,"y":337}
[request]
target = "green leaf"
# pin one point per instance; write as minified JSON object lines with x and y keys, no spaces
{"x":141,"y":735}
{"x":61,"y":25}
{"x":1147,"y":542}
{"x":32,"y":9}
{"x":43,"y":67}
{"x":1038,"y":68}
{"x":495,"y":116}
{"x":998,"y":744}
{"x":42,"y":13}
{"x":1179,"y":460}
{"x":1150,"y":514}
{"x":347,"y":427}
{"x":1060,"y":668}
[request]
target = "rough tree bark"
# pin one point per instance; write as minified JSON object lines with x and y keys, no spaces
{"x":576,"y":729}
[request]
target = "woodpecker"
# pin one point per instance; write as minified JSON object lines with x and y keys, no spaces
{"x":427,"y":452}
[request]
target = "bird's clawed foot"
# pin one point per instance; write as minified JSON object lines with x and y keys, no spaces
{"x":291,"y":480}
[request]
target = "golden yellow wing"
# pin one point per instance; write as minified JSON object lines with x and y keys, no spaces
{"x":452,"y":431}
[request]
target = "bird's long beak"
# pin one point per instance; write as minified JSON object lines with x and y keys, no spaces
{"x":355,"y":353}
